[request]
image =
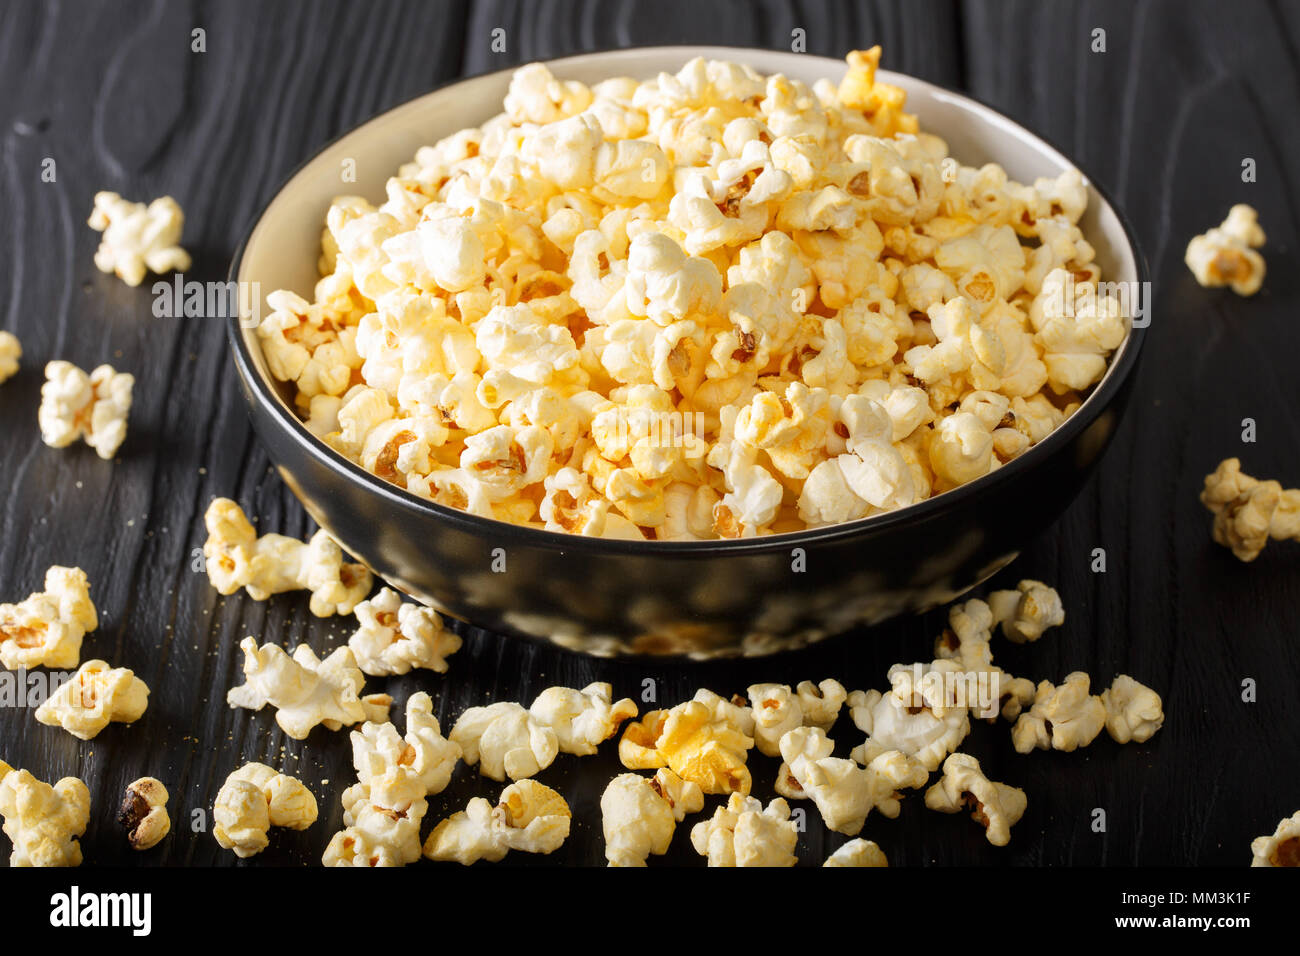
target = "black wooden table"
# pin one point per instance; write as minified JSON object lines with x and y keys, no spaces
{"x":1163,"y":118}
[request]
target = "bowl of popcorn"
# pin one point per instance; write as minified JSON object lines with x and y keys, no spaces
{"x":687,"y":350}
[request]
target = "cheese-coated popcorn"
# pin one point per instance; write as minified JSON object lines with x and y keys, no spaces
{"x":1133,"y":710}
{"x":639,"y":814}
{"x":529,"y":817}
{"x":43,"y":822}
{"x":255,"y":798}
{"x":395,"y":636}
{"x":92,"y":698}
{"x":743,"y":833}
{"x":92,"y":407}
{"x":144,"y":813}
{"x":581,"y":719}
{"x":11,"y":351}
{"x":1282,"y":848}
{"x":704,"y":742}
{"x":1062,"y":717}
{"x":46,"y":629}
{"x":138,"y":238}
{"x":1248,"y":512}
{"x":1027,"y":611}
{"x":995,"y":806}
{"x":1225,"y":255}
{"x":305,"y":690}
{"x":641,"y":309}
{"x":858,"y":852}
{"x":273,"y":563}
{"x":505,"y":740}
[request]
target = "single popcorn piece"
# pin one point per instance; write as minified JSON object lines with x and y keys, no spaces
{"x":93,"y":407}
{"x":46,"y":630}
{"x":581,"y":719}
{"x":1026,"y":612}
{"x":913,"y":730}
{"x":138,"y":238}
{"x":43,"y":822}
{"x":858,"y":852}
{"x":144,"y":813}
{"x":1063,"y":717}
{"x":92,"y":698}
{"x":640,"y":814}
{"x":11,"y":351}
{"x":255,"y":798}
{"x":1248,"y":512}
{"x":995,"y":806}
{"x":394,"y":637}
{"x":1226,"y":254}
{"x":304,"y":689}
{"x":505,"y":740}
{"x":237,"y":557}
{"x":702,"y":742}
{"x":529,"y":817}
{"x":777,"y":709}
{"x":1280,"y":849}
{"x":743,"y":833}
{"x":1133,"y":710}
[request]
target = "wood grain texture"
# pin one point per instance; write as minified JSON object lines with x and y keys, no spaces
{"x":1162,"y":119}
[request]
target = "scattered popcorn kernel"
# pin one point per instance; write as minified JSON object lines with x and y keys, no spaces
{"x":1133,"y":710}
{"x":144,"y":813}
{"x":529,"y":817}
{"x":47,"y":629}
{"x":639,"y":814}
{"x":505,"y":740}
{"x":743,"y":833}
{"x":93,"y":407}
{"x":1248,"y":512}
{"x":1280,"y":849}
{"x":1027,"y":611}
{"x":305,"y":690}
{"x":273,"y":563}
{"x":138,"y":237}
{"x":1063,"y":717}
{"x":255,"y":798}
{"x":915,"y":731}
{"x":702,"y":743}
{"x":995,"y":806}
{"x":581,"y":719}
{"x":858,"y":852}
{"x":43,"y":822}
{"x":92,"y":698}
{"x":395,"y":637}
{"x":1226,"y":254}
{"x":10,"y":352}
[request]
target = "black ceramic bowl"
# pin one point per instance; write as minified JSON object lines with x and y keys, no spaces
{"x":702,"y":598}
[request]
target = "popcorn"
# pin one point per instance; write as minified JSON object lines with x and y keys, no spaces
{"x":1061,"y":718}
{"x":1133,"y":710}
{"x":1248,"y":512}
{"x":529,"y":817}
{"x":995,"y":806}
{"x":47,"y":628}
{"x":776,"y":709}
{"x":43,"y":822}
{"x":1280,"y":849}
{"x":707,"y":305}
{"x":703,"y":742}
{"x":1226,"y":254}
{"x":395,"y":637}
{"x":144,"y":813}
{"x":93,"y":407}
{"x":92,"y":698}
{"x":639,"y":814}
{"x":304,"y":689}
{"x":581,"y":719}
{"x":858,"y":852}
{"x":11,"y":351}
{"x":255,"y":798}
{"x":273,"y":563}
{"x":1027,"y":611}
{"x":918,"y":732}
{"x":504,"y":739}
{"x":138,"y":237}
{"x":743,"y":833}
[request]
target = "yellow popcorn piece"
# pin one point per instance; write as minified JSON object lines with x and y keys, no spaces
{"x":11,"y":351}
{"x":995,"y":806}
{"x":144,"y":813}
{"x":92,"y":698}
{"x":743,"y":833}
{"x":857,"y":852}
{"x":881,"y":103}
{"x":255,"y":798}
{"x":1225,"y":255}
{"x":46,"y":629}
{"x":1281,"y":848}
{"x":1248,"y":512}
{"x":395,"y":637}
{"x":138,"y":238}
{"x":704,"y":743}
{"x":43,"y":822}
{"x":92,"y":407}
{"x":640,"y":814}
{"x":529,"y":817}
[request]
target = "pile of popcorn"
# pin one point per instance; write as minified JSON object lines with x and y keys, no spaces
{"x":710,"y":304}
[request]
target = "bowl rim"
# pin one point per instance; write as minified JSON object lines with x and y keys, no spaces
{"x":1113,"y":382}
